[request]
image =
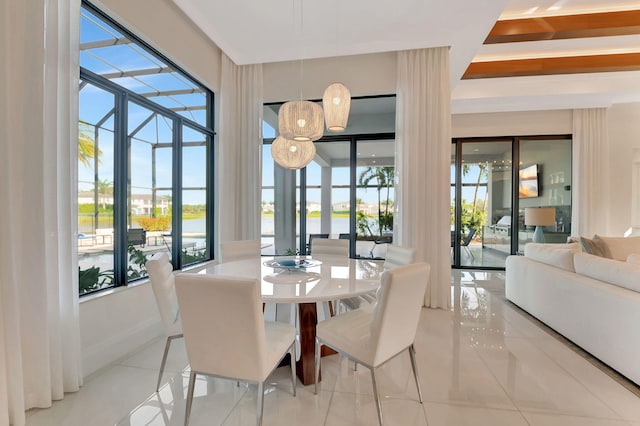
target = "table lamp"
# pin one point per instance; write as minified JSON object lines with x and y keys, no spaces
{"x":539,"y":217}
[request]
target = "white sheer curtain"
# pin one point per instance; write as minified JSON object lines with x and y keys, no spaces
{"x":590,"y":135}
{"x":39,"y":330}
{"x":423,"y":159}
{"x":240,"y":148}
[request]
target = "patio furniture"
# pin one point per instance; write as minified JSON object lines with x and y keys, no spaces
{"x":137,"y":236}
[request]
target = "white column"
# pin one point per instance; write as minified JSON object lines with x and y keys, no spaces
{"x":325,"y":200}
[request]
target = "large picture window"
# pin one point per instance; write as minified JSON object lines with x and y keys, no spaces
{"x":346,"y":192}
{"x":145,"y":158}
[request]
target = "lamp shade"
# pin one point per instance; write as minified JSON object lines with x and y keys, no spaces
{"x":336,"y":102}
{"x":292,"y":154}
{"x":539,"y":216}
{"x":301,"y":121}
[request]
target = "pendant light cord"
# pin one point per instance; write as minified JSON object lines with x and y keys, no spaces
{"x":301,"y":45}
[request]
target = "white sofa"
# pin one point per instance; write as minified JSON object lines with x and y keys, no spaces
{"x":591,"y":300}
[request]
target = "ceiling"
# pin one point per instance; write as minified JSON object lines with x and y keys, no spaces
{"x":253,"y":31}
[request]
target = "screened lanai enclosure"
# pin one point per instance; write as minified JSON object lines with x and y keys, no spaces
{"x":144,"y":158}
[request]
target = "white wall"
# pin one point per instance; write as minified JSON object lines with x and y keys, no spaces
{"x":521,"y":123}
{"x":373,"y":74}
{"x":114,"y":324}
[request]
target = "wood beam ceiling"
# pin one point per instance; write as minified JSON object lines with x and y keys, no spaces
{"x":556,"y":28}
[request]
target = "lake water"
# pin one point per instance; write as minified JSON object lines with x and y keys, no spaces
{"x":339,"y":225}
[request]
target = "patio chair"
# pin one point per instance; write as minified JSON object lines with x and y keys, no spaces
{"x":467,"y":240}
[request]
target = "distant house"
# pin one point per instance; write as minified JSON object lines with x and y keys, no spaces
{"x":141,"y":204}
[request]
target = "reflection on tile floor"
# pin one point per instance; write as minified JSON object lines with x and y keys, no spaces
{"x":485,"y":362}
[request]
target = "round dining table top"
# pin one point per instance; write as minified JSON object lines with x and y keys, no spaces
{"x":305,"y":279}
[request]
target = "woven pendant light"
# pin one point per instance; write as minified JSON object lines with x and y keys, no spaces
{"x":336,"y":103}
{"x":301,"y":121}
{"x":292,"y":154}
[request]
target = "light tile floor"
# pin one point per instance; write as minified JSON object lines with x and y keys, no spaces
{"x":482,"y":363}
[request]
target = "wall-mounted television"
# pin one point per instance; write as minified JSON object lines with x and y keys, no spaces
{"x":528,"y":187}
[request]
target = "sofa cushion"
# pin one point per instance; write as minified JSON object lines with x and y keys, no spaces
{"x":622,"y":274}
{"x":558,"y":255}
{"x":634,"y":258}
{"x":619,"y":248}
{"x":595,"y":247}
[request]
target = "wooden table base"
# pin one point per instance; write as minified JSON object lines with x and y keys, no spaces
{"x":306,"y":365}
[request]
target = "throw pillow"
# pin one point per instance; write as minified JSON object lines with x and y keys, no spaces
{"x":621,"y":274}
{"x":619,"y":248}
{"x":558,"y":255}
{"x":634,"y":258}
{"x":595,"y":247}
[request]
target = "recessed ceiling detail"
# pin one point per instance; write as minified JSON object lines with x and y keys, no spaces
{"x":565,"y":27}
{"x":549,"y":66}
{"x":548,"y":30}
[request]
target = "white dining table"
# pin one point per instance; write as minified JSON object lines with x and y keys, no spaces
{"x":328,"y":278}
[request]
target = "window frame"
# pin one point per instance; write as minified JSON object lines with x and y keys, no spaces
{"x":122,"y":97}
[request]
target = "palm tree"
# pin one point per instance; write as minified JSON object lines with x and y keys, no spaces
{"x":86,"y":144}
{"x":104,"y":188}
{"x":384,"y":179}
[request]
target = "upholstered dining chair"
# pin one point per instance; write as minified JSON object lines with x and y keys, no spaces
{"x":329,"y":247}
{"x":246,"y":349}
{"x":322,"y":248}
{"x":396,"y":256}
{"x":371,"y":338}
{"x":237,"y":250}
{"x":161,"y":275}
{"x":246,"y":249}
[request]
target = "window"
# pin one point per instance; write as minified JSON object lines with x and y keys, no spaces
{"x":145,"y":158}
{"x":346,"y":192}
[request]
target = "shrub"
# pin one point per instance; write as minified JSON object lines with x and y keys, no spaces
{"x":160,"y":223}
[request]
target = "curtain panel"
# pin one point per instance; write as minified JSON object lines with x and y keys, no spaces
{"x":590,"y":142}
{"x":39,"y":329}
{"x":240,"y":149}
{"x":423,"y":159}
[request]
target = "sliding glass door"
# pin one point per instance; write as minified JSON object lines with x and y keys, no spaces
{"x":481,"y":203}
{"x":489,"y":195}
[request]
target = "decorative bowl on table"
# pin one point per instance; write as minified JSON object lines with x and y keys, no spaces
{"x":292,"y":264}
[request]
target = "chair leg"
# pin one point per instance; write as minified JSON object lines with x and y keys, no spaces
{"x":260,"y":402}
{"x":317,"y":366}
{"x":375,"y":395}
{"x":412,"y":355}
{"x":469,"y":252}
{"x":164,"y":359}
{"x":294,"y":379}
{"x":192,"y":384}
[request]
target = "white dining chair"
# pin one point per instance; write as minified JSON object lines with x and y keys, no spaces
{"x":396,"y":256}
{"x":240,"y":249}
{"x":246,"y":249}
{"x":161,"y":275}
{"x":329,"y":247}
{"x":226,"y":335}
{"x":372,"y":338}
